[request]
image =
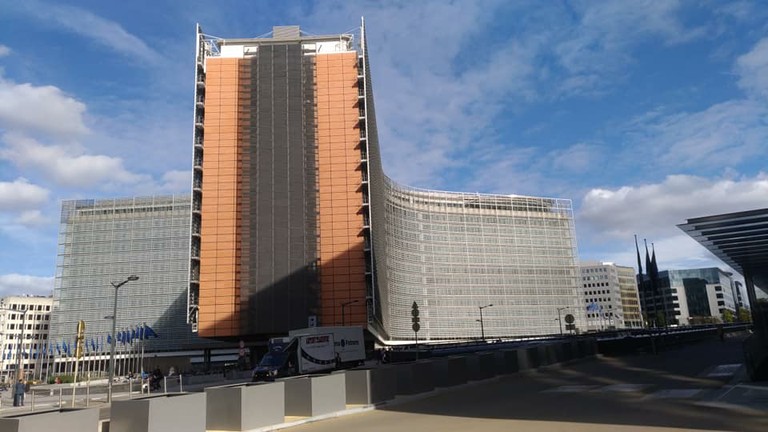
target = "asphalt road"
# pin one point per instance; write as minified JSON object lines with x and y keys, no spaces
{"x":688,"y":388}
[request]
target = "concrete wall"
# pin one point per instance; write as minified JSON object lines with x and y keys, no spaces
{"x":171,"y":412}
{"x":370,"y":386}
{"x":245,"y":407}
{"x":68,"y":420}
{"x":315,"y":395}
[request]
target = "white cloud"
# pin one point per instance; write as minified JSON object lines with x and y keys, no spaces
{"x":17,"y":284}
{"x":656,"y":209}
{"x":4,"y":50}
{"x":67,"y":165}
{"x":753,"y":70}
{"x":32,"y":218}
{"x":85,"y":23}
{"x":176,"y":181}
{"x":575,"y":158}
{"x":733,"y":132}
{"x":20,"y":195}
{"x":597,"y":47}
{"x":43,"y":109}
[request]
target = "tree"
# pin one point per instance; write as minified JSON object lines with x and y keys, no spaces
{"x":743,"y":315}
{"x":728,"y":316}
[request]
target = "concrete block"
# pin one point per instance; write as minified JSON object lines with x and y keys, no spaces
{"x":370,"y":386}
{"x":172,"y":411}
{"x":450,"y":371}
{"x":311,"y":396}
{"x":506,"y":362}
{"x":423,"y":376}
{"x":65,"y":420}
{"x":404,"y":379}
{"x":245,"y":407}
{"x":486,"y":364}
{"x":522,"y":359}
{"x":534,"y":358}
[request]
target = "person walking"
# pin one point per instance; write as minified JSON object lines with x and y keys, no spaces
{"x":18,"y":393}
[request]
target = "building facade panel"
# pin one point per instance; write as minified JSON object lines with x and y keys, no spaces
{"x":102,"y":242}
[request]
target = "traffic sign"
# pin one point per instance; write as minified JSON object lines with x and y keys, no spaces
{"x":415,"y":317}
{"x":569,"y":319}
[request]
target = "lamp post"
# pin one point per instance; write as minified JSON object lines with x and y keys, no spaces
{"x":559,"y":321}
{"x":343,"y":307}
{"x":116,"y":285}
{"x":482,"y":329}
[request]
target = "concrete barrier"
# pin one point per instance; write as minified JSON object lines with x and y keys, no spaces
{"x":450,"y":371}
{"x":523,"y":362}
{"x":311,"y":396}
{"x":534,"y":357}
{"x":65,"y":420}
{"x":370,"y":386}
{"x":245,"y":407}
{"x":506,"y":362}
{"x":169,"y":412}
{"x":423,"y":376}
{"x":404,"y":378}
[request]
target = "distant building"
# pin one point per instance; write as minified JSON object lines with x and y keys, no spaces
{"x":697,"y":295}
{"x":611,"y":297}
{"x":24,"y":326}
{"x":738,"y":290}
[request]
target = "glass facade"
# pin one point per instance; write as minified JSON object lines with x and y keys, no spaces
{"x":454,"y":252}
{"x":105,"y":241}
{"x":700,"y":293}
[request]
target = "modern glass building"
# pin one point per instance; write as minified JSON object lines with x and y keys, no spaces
{"x":102,"y":242}
{"x":294,"y":222}
{"x":700,"y":293}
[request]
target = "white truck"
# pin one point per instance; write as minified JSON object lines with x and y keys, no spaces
{"x":311,"y":350}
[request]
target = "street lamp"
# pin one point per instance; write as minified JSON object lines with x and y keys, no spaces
{"x":343,"y":306}
{"x":482,"y":329}
{"x":559,"y":321}
{"x":116,"y":285}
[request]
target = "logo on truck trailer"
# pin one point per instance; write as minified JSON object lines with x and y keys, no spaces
{"x":314,"y":340}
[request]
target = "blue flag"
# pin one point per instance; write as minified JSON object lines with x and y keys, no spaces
{"x":109,"y":340}
{"x":133,"y":334}
{"x":148,"y":332}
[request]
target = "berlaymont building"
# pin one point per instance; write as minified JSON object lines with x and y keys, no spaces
{"x":295,"y":224}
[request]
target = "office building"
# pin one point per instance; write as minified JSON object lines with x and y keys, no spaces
{"x":295,"y":223}
{"x":24,"y":326}
{"x":102,"y":243}
{"x":701,"y":295}
{"x":611,"y":298}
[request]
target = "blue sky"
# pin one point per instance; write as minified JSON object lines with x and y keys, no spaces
{"x":644,"y":113}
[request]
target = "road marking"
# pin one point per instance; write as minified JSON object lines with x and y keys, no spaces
{"x":724,"y":370}
{"x":674,"y":394}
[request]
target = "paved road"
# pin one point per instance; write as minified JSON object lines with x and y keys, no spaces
{"x":689,"y":388}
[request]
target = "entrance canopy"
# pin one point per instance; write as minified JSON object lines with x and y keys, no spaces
{"x":738,"y":239}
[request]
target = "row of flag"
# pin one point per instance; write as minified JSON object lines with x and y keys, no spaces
{"x":91,"y":345}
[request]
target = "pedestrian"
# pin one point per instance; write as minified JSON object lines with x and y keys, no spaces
{"x":18,"y":393}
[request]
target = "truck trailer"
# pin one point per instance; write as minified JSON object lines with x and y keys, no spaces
{"x":311,"y":350}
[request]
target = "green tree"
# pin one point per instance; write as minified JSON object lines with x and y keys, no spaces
{"x":744,"y":315}
{"x":728,"y":316}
